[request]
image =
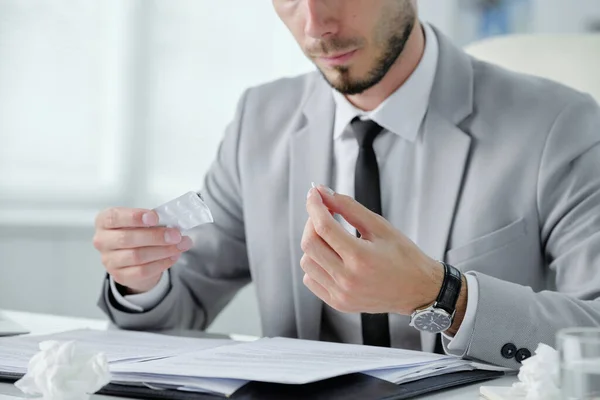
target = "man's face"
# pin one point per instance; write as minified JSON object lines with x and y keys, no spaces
{"x":354,"y":43}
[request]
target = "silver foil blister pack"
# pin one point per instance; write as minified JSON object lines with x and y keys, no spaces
{"x":185,"y":212}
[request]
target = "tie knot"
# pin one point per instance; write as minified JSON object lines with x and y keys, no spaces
{"x":365,"y":131}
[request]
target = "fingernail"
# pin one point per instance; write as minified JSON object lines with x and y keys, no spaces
{"x":328,"y":190}
{"x":149,"y":219}
{"x":186,"y":244}
{"x":310,"y":192}
{"x":172,"y":236}
{"x":175,"y":257}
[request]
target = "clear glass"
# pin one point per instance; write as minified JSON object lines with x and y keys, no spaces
{"x":579,"y":350}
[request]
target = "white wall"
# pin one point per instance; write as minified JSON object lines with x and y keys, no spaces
{"x":124,"y":102}
{"x":557,"y":16}
{"x":442,"y":14}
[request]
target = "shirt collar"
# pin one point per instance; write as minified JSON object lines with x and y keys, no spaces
{"x":402,"y":113}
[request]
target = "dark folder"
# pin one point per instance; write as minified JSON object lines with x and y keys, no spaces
{"x":347,"y":387}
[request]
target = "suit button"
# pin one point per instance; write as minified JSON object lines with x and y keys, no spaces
{"x":509,"y":350}
{"x":522,"y":355}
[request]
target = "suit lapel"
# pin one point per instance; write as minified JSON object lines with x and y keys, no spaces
{"x":445,"y":149}
{"x":311,"y":160}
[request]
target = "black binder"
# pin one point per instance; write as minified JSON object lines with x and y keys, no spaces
{"x":347,"y":387}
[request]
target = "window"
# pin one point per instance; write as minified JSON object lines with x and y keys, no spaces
{"x":121,"y":102}
{"x":61,"y":102}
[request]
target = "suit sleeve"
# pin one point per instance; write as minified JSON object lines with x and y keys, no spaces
{"x":208,"y":276}
{"x":568,"y":202}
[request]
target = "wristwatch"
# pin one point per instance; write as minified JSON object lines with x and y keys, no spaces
{"x":439,"y":316}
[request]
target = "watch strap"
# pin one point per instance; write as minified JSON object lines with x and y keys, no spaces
{"x":450,"y":290}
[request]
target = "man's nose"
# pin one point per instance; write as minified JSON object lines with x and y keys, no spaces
{"x":321,"y":19}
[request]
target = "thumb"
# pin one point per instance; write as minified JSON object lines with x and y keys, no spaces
{"x":368,"y":223}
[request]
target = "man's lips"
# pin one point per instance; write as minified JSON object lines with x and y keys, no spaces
{"x":338,"y":59}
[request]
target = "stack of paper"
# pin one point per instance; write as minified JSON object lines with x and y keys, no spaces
{"x":222,"y":366}
{"x":119,"y":346}
{"x":405,"y":375}
{"x":288,"y":361}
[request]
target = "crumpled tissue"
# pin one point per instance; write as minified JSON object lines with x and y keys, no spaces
{"x":539,"y":376}
{"x":64,"y":371}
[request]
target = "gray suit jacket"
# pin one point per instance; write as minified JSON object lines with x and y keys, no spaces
{"x":511,"y":191}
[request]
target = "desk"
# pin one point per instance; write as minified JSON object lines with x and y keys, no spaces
{"x":41,"y":324}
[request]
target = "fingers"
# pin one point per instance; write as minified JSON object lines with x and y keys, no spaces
{"x":136,"y":252}
{"x":364,"y":220}
{"x":119,"y":217}
{"x":317,"y":288}
{"x":316,"y":272}
{"x":144,"y":255}
{"x":318,"y":250}
{"x":116,"y":239}
{"x":140,"y":275}
{"x":333,"y":233}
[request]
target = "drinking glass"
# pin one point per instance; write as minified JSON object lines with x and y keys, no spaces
{"x":579,"y":350}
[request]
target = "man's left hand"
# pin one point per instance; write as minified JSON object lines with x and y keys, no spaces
{"x":381,"y":272}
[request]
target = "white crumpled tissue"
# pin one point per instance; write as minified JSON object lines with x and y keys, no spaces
{"x":64,"y":371}
{"x":539,"y":376}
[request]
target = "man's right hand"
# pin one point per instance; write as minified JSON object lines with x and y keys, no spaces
{"x":135,"y":251}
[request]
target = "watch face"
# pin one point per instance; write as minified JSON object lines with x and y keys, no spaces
{"x":434,"y":321}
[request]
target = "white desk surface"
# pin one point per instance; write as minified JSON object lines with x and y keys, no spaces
{"x":41,"y":324}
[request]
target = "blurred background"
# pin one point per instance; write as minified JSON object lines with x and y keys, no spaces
{"x":123,"y":102}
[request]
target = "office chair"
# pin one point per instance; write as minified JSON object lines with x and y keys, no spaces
{"x":573,"y":60}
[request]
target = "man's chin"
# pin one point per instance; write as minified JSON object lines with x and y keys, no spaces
{"x":333,"y":75}
{"x":337,"y":79}
{"x":346,"y":86}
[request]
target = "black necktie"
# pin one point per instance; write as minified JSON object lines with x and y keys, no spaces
{"x":367,"y":191}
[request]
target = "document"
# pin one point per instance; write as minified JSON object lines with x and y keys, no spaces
{"x":225,"y":387}
{"x":281,"y":360}
{"x":126,"y":346}
{"x":223,"y":366}
{"x":405,"y":375}
{"x":15,"y":355}
{"x":119,"y":346}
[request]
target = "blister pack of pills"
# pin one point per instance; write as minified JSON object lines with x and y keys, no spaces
{"x":185,"y":212}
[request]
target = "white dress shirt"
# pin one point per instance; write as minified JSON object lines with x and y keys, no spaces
{"x":397,"y":147}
